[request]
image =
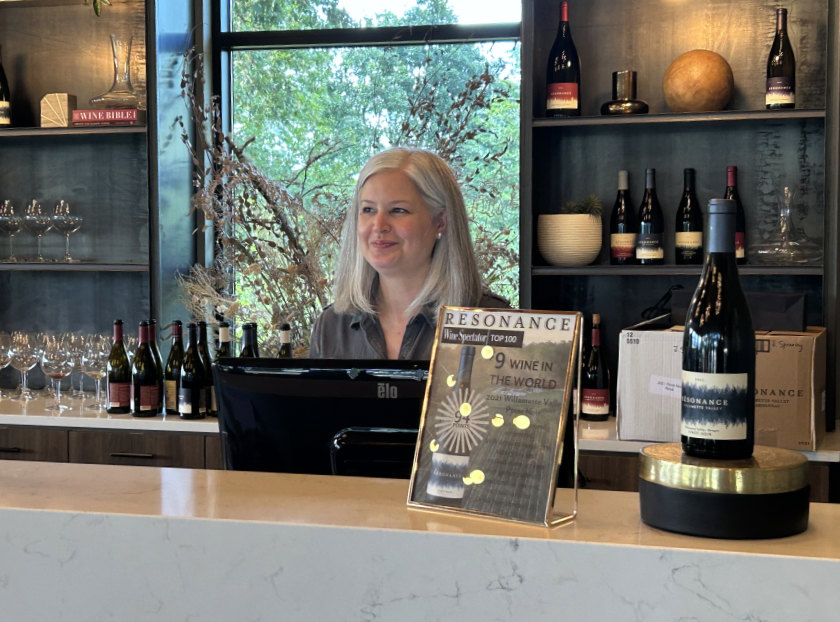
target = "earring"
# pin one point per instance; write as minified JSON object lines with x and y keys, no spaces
{"x":440,"y":235}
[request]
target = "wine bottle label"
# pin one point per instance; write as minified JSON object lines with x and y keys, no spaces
{"x":5,"y":114}
{"x":779,"y":91}
{"x":562,"y":96}
{"x":740,"y":245}
{"x":595,"y":401}
{"x":649,"y":246}
{"x":171,"y":393}
{"x":148,"y":397}
{"x":446,"y":478}
{"x":119,"y":394}
{"x":689,"y":240}
{"x":714,"y":406}
{"x":185,"y":401}
{"x":623,"y":245}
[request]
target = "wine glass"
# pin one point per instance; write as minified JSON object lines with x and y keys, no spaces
{"x":788,"y":245}
{"x":5,"y":359}
{"x":57,"y":363}
{"x":24,"y":354}
{"x":66,"y":223}
{"x":37,"y":224}
{"x":94,"y":364}
{"x":10,"y":224}
{"x":76,"y":346}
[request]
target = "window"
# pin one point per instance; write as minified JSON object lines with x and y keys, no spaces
{"x":321,"y":85}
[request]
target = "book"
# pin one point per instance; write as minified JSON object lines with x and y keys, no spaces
{"x":107,"y":116}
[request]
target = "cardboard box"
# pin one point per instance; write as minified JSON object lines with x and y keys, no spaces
{"x":790,"y":386}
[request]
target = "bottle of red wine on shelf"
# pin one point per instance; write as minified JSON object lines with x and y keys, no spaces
{"x":780,"y":91}
{"x":595,"y":380}
{"x":718,"y":367}
{"x":688,"y":237}
{"x":144,"y":377}
{"x":650,"y":249}
{"x":285,"y":350}
{"x":172,"y":372}
{"x":563,"y":72}
{"x":623,"y":225}
{"x":119,"y":375}
{"x":740,"y":217}
{"x":5,"y":97}
{"x":158,"y":361}
{"x":207,"y":362}
{"x":250,"y":347}
{"x":192,"y":401}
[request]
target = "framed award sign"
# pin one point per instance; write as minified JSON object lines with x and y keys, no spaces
{"x":495,"y":414}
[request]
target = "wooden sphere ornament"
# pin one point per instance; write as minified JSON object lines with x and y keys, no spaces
{"x":698,"y":81}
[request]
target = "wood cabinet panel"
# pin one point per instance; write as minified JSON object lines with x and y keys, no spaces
{"x":609,"y":471}
{"x":137,"y":448}
{"x":25,"y":443}
{"x":213,"y":458}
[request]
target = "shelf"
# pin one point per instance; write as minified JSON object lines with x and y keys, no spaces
{"x":727,"y":116}
{"x":72,"y":131}
{"x":72,"y":267}
{"x":672,"y":270}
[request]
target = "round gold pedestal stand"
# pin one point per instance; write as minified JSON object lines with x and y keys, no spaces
{"x":766,"y":496}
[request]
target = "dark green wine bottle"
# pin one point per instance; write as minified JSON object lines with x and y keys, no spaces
{"x":144,"y":377}
{"x":172,"y":372}
{"x":191,"y":400}
{"x":250,"y":347}
{"x":225,"y":349}
{"x":158,"y":361}
{"x":204,"y":352}
{"x":119,"y":375}
{"x":285,"y":350}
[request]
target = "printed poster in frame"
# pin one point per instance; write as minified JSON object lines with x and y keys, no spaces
{"x":495,"y":415}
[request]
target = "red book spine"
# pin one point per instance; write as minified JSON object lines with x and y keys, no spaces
{"x":106,"y":116}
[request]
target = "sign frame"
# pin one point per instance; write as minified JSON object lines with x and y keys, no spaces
{"x":497,"y":405}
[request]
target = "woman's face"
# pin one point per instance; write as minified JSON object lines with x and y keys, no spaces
{"x":396,"y":229}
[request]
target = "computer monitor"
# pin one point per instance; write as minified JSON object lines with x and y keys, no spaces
{"x":281,"y":415}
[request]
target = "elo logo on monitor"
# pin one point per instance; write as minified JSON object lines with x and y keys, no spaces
{"x":385,"y":390}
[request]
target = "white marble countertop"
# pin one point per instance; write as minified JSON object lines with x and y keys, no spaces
{"x":91,"y":542}
{"x":34,"y":413}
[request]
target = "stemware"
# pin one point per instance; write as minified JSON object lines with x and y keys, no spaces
{"x":57,"y":363}
{"x":94,"y":364}
{"x":76,"y":347}
{"x":10,"y":224}
{"x":66,"y":223}
{"x":5,"y":359}
{"x":37,"y":224}
{"x":788,"y":246}
{"x":24,"y":354}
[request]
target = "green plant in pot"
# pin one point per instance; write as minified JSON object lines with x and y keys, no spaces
{"x":572,"y":236}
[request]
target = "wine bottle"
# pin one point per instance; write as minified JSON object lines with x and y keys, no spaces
{"x":250,"y":347}
{"x":718,"y":366}
{"x":192,"y":402}
{"x":650,"y":248}
{"x":207,"y":362}
{"x":451,"y":461}
{"x":285,"y":350}
{"x":780,"y":91}
{"x":225,"y":349}
{"x":119,"y":375}
{"x":153,"y":344}
{"x":595,"y":381}
{"x":740,"y":217}
{"x":5,"y":97}
{"x":623,"y":225}
{"x":144,"y":377}
{"x":172,"y":372}
{"x":688,"y":239}
{"x":563,"y":72}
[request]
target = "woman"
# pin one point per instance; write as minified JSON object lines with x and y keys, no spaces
{"x":405,"y":251}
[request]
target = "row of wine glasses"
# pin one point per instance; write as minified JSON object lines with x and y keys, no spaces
{"x":36,"y":222}
{"x":58,"y":354}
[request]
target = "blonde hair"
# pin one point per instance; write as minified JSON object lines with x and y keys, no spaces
{"x":453,"y":278}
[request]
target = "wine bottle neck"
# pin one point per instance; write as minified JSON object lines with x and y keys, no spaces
{"x":781,"y":21}
{"x":564,"y":13}
{"x":721,"y":227}
{"x":596,"y":336}
{"x":118,"y":332}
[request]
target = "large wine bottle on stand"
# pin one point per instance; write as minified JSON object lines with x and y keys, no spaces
{"x":718,"y":368}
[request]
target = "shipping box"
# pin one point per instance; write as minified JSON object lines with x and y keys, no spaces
{"x":790,"y":386}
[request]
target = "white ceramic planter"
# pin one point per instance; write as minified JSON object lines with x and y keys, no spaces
{"x":569,"y":240}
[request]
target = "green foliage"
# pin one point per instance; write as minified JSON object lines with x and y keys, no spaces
{"x":312,"y":117}
{"x":590,"y":205}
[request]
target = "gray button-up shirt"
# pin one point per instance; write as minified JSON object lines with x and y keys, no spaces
{"x":359,"y":335}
